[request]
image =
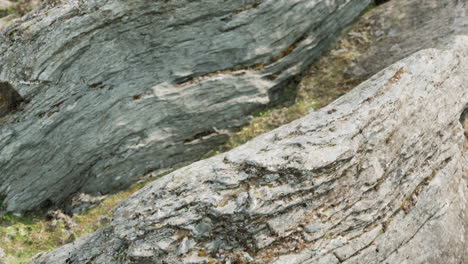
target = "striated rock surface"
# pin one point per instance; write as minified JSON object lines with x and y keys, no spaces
{"x":402,"y":27}
{"x":379,"y":176}
{"x":114,"y":90}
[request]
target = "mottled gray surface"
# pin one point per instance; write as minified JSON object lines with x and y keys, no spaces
{"x":2,"y":254}
{"x":5,"y":4}
{"x":117,"y":89}
{"x":402,"y":27}
{"x":379,"y":176}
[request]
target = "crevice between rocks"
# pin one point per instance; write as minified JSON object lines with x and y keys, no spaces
{"x":10,"y":99}
{"x":464,"y":123}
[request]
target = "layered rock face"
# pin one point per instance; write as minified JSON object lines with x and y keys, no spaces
{"x":114,"y":90}
{"x":402,"y":27}
{"x":379,"y":176}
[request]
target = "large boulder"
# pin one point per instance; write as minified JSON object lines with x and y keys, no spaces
{"x":114,"y":90}
{"x":378,"y":176}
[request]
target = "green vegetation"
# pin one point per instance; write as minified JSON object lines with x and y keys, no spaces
{"x":325,"y":81}
{"x":22,"y":7}
{"x":18,"y":8}
{"x":23,"y":237}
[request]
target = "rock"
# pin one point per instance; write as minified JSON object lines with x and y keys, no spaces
{"x":5,"y":4}
{"x":57,"y":217}
{"x":5,"y":21}
{"x":118,"y":90}
{"x":378,"y":176}
{"x":104,"y":220}
{"x":81,"y":202}
{"x":402,"y":27}
{"x":2,"y":255}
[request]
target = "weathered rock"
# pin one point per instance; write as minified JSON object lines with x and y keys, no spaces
{"x":80,"y":203}
{"x":5,"y":21}
{"x":402,"y":27}
{"x":117,"y":90}
{"x":57,"y":217}
{"x":5,"y":4}
{"x":12,"y":10}
{"x":379,"y":176}
{"x":2,"y":254}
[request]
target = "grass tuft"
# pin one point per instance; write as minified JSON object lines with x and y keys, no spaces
{"x":22,"y":237}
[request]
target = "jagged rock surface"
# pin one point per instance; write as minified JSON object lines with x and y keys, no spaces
{"x":115,"y":90}
{"x":379,"y":176}
{"x":402,"y":27}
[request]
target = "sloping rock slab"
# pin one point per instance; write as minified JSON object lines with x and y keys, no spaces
{"x":118,"y":89}
{"x":402,"y":27}
{"x":379,"y":176}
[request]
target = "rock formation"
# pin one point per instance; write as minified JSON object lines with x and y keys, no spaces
{"x":402,"y":27}
{"x":116,"y":90}
{"x":378,"y":176}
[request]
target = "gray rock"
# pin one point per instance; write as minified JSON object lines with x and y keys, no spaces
{"x":402,"y":27}
{"x":378,"y":176}
{"x":82,"y":202}
{"x":5,"y":4}
{"x":2,"y":257}
{"x":117,"y":90}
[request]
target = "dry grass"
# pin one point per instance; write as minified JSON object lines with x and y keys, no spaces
{"x":21,"y":7}
{"x":18,"y":9}
{"x":23,"y":237}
